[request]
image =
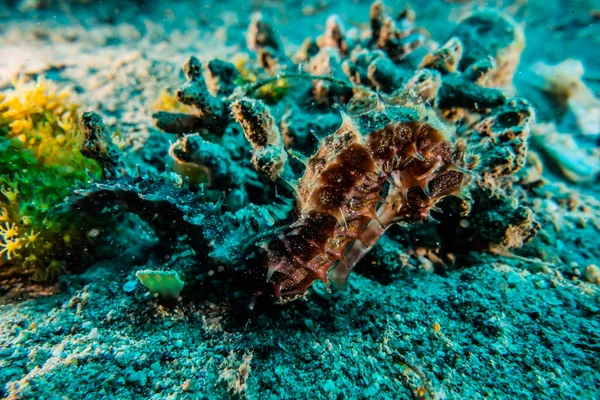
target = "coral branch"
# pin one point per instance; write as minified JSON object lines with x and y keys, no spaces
{"x":262,"y":132}
{"x":211,"y":113}
{"x":99,"y":146}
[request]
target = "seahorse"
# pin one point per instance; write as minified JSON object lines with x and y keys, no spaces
{"x":387,"y":165}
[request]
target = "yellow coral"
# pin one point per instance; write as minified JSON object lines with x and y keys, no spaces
{"x":34,"y":100}
{"x":43,"y":121}
{"x":31,"y":262}
{"x":54,"y":269}
{"x":31,"y":238}
{"x":66,"y":123}
{"x":10,"y":193}
{"x":10,"y":247}
{"x":271,"y":92}
{"x":44,"y":128}
{"x":43,"y":161}
{"x":241,"y":64}
{"x":9,"y":230}
{"x":20,"y":125}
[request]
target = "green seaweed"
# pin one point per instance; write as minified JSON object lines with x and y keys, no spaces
{"x":162,"y":283}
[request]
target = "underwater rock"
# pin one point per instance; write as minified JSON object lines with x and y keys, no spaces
{"x":575,"y":162}
{"x":564,"y":82}
{"x":491,"y":33}
{"x":592,"y":274}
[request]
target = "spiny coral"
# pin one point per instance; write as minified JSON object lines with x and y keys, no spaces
{"x":40,"y":161}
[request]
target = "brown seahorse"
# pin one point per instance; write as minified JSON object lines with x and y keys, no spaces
{"x":391,"y":164}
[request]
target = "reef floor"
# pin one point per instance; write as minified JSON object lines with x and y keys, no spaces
{"x":510,"y":326}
